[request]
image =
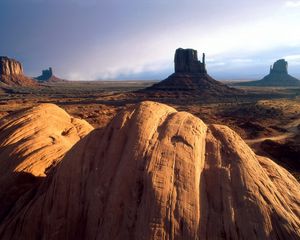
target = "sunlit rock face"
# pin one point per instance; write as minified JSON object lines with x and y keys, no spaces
{"x":31,"y":143}
{"x":10,"y":66}
{"x":11,"y":73}
{"x":155,"y":173}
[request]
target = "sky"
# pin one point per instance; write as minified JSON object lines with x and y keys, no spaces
{"x":137,"y":39}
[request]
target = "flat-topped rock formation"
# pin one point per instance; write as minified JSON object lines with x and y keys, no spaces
{"x":11,"y":73}
{"x":278,"y":77}
{"x":191,"y":76}
{"x":155,"y":173}
{"x":31,"y":142}
{"x":48,"y":76}
{"x":10,"y":66}
{"x":186,"y":61}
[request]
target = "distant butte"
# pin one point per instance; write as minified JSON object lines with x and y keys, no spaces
{"x":278,"y":77}
{"x":48,"y":76}
{"x":11,"y":73}
{"x":191,"y":76}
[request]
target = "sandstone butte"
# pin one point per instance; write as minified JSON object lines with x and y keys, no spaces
{"x":11,"y":73}
{"x":155,"y":173}
{"x":278,"y":77}
{"x":190,"y":76}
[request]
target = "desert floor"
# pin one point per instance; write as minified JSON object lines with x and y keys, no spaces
{"x":267,"y":118}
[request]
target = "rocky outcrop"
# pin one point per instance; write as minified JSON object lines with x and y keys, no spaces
{"x":48,"y":76}
{"x":191,"y":77}
{"x":280,"y":66}
{"x":31,"y":142}
{"x":155,"y":173}
{"x":186,"y":61}
{"x":278,"y":77}
{"x":11,"y":73}
{"x":10,"y":66}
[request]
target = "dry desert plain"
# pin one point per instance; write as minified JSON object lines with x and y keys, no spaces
{"x":267,"y":118}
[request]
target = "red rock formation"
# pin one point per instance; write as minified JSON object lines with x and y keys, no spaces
{"x":155,"y":173}
{"x":191,"y":77}
{"x":31,"y":142}
{"x":10,"y":67}
{"x":11,"y":73}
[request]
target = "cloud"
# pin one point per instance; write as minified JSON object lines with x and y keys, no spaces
{"x":292,"y":4}
{"x":293,"y":57}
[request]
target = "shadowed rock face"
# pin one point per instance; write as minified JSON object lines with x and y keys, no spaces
{"x":11,"y":73}
{"x":48,"y":76}
{"x":155,"y":173}
{"x":278,"y":77}
{"x":280,"y":66}
{"x":186,"y":61}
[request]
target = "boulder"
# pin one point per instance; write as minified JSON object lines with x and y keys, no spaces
{"x":155,"y":173}
{"x":31,"y":143}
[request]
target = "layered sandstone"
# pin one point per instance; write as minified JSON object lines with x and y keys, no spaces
{"x":31,"y":142}
{"x":10,"y":66}
{"x":155,"y":173}
{"x":11,"y":73}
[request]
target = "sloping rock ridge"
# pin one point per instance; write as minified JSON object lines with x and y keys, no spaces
{"x":155,"y":173}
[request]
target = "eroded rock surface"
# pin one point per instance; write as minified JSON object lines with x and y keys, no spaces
{"x":186,"y":61}
{"x":31,"y":142}
{"x":10,"y":66}
{"x":155,"y":173}
{"x":11,"y":73}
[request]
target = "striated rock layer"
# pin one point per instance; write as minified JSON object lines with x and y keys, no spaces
{"x":31,"y":142}
{"x":10,"y":66}
{"x":11,"y":73}
{"x":155,"y":173}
